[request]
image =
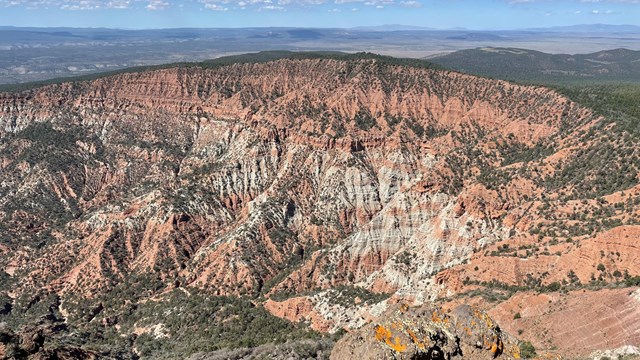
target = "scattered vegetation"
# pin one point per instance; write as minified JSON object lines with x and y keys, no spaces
{"x":200,"y":322}
{"x":535,"y":67}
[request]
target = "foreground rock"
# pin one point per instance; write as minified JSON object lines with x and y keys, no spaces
{"x":429,"y":333}
{"x":29,"y":344}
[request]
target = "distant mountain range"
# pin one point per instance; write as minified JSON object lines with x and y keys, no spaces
{"x":579,"y":28}
{"x":385,"y":27}
{"x":592,"y":28}
{"x":393,"y":27}
{"x":539,"y":67}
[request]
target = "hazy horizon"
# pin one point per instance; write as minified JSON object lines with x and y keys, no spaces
{"x":162,"y":14}
{"x":382,"y":26}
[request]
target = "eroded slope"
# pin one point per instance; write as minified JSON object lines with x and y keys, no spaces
{"x":319,"y":184}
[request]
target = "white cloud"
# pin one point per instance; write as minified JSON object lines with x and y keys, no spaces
{"x":260,"y":5}
{"x":214,"y":5}
{"x":157,"y":5}
{"x":272,"y":8}
{"x":86,"y":4}
{"x":411,"y":4}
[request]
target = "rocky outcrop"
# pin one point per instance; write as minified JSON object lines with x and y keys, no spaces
{"x":29,"y":344}
{"x":427,"y":332}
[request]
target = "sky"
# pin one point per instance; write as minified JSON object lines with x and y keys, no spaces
{"x":443,"y":14}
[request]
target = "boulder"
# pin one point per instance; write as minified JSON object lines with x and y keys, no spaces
{"x":428,"y":333}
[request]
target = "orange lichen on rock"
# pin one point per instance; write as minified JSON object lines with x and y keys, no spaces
{"x":407,"y":333}
{"x":397,"y":345}
{"x":435,"y":317}
{"x":384,"y":335}
{"x":497,"y":347}
{"x":419,"y":344}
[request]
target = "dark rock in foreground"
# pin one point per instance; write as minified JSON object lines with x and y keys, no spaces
{"x":429,"y":333}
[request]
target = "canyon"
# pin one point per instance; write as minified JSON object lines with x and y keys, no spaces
{"x":321,"y":191}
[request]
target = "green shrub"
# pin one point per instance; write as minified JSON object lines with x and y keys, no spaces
{"x":601,"y":267}
{"x":527,"y":350}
